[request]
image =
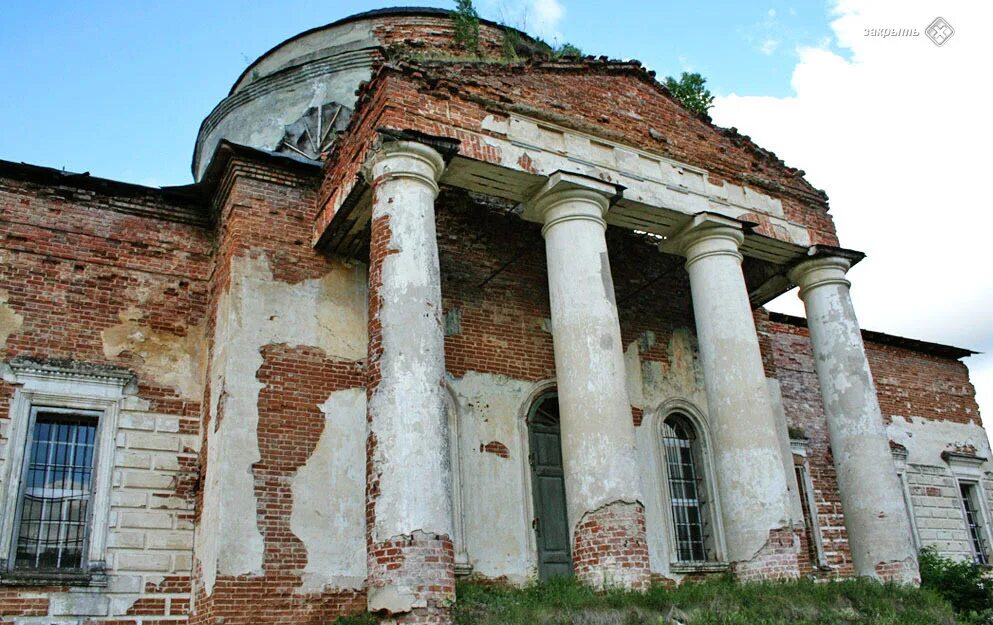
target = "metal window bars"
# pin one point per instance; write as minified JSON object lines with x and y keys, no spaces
{"x":688,"y":518}
{"x":973,"y":521}
{"x":56,"y":491}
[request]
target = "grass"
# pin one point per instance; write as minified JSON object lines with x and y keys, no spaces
{"x":714,"y":602}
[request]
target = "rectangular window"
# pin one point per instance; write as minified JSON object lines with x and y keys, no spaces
{"x":52,"y":528}
{"x":974,"y":520}
{"x":808,"y":507}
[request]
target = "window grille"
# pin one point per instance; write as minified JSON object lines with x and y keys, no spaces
{"x":680,"y":441}
{"x":56,"y":491}
{"x":973,"y":520}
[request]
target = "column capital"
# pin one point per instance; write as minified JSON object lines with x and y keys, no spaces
{"x":824,"y":265}
{"x":567,"y":196}
{"x":406,"y":159}
{"x":705,"y":235}
{"x":823,"y":271}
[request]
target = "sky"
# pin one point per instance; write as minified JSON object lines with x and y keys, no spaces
{"x":894,"y":128}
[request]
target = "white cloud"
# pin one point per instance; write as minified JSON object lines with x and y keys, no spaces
{"x":536,"y":17}
{"x":898,"y":134}
{"x":768,"y":46}
{"x":547,"y":14}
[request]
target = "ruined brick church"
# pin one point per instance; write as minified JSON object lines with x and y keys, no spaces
{"x":427,"y":314}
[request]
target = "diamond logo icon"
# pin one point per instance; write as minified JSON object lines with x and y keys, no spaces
{"x":939,"y":31}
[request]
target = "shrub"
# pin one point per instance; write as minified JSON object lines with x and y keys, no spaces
{"x":963,"y":584}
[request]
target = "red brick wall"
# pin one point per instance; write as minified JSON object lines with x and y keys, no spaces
{"x":74,"y":261}
{"x":909,"y":383}
{"x":451,"y":100}
{"x":787,"y":350}
{"x":76,"y":253}
{"x":268,"y":209}
{"x":914,"y":384}
{"x":429,"y":35}
{"x":504,"y":323}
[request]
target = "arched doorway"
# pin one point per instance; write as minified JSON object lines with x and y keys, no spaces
{"x":551,"y":525}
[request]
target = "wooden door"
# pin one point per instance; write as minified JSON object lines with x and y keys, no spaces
{"x":551,"y":526}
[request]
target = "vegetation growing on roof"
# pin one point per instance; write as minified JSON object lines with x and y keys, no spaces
{"x":466,"y":25}
{"x":691,"y":90}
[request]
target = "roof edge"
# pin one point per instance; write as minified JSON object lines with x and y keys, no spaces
{"x":358,"y":17}
{"x":42,"y":174}
{"x":917,"y":345}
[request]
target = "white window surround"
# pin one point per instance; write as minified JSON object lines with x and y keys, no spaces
{"x":462,"y":564}
{"x":799,"y":449}
{"x":899,"y":454}
{"x":968,"y":469}
{"x":712,"y":507}
{"x":75,"y":387}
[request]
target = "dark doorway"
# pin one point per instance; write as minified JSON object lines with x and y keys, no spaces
{"x":551,"y":526}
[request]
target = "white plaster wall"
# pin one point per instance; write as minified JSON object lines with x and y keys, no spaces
{"x":257,"y":310}
{"x":329,"y":497}
{"x":934,"y":492}
{"x":149,"y":534}
{"x":496,"y":491}
{"x":650,"y":385}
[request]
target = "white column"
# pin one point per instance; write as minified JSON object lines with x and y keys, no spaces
{"x":602,"y":479}
{"x":750,"y":477}
{"x":411,"y":561}
{"x":879,"y":533}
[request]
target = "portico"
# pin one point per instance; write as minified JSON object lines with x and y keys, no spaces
{"x":732,"y":268}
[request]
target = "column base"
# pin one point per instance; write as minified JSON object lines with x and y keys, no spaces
{"x":610,"y":549}
{"x":778,"y":559}
{"x":412,"y":579}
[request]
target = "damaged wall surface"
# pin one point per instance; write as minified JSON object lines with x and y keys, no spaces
{"x":327,"y":377}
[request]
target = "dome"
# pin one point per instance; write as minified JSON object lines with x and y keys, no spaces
{"x":298,"y":95}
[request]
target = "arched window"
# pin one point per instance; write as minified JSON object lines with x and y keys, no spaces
{"x":692,"y":516}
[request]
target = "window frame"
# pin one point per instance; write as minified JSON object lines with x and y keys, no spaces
{"x":967,"y":469}
{"x":972,"y":498}
{"x":711,"y":509}
{"x":18,"y":513}
{"x":74,"y":389}
{"x":808,"y":497}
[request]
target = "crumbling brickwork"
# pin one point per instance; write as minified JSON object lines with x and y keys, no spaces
{"x":111,"y":274}
{"x":612,"y":538}
{"x":244,"y":463}
{"x":433,"y":99}
{"x":264,"y":213}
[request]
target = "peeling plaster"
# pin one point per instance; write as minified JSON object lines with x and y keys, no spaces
{"x":167,"y":358}
{"x":407,"y":410}
{"x":647,"y":177}
{"x":328,"y":313}
{"x":650,"y":383}
{"x":328,"y":513}
{"x":10,"y":321}
{"x":925,"y":439}
{"x":490,"y":407}
{"x":390,"y":600}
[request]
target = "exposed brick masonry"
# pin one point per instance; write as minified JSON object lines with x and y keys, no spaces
{"x":609,"y":547}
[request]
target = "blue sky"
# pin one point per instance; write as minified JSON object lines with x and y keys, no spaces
{"x":119,"y":88}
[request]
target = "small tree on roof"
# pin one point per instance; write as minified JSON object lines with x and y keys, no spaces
{"x":691,"y":90}
{"x":466,"y":25}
